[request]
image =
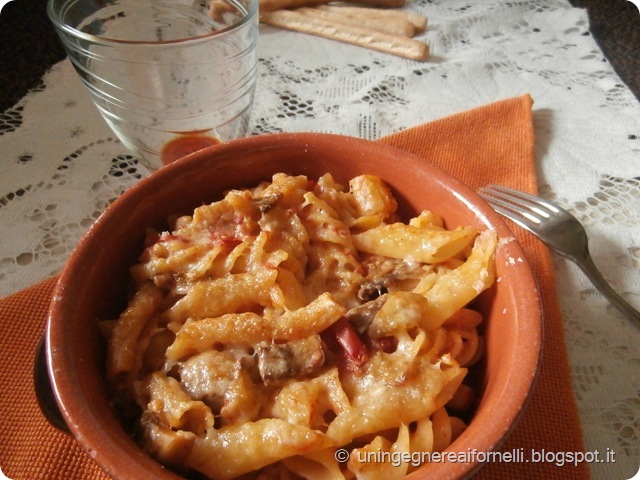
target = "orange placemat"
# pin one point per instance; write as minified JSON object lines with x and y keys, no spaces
{"x":493,"y":143}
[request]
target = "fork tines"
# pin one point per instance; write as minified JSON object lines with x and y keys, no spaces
{"x":516,"y":205}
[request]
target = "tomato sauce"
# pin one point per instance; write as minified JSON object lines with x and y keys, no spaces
{"x":184,"y":145}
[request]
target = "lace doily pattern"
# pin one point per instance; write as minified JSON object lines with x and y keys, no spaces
{"x":62,"y":165}
{"x":603,"y":343}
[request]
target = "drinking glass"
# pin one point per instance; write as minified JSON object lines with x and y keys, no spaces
{"x":168,"y":76}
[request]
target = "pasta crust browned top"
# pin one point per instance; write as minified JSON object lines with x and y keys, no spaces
{"x":286,"y":321}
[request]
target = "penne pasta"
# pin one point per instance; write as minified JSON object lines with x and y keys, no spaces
{"x":457,"y":288}
{"x":219,"y":296}
{"x":324,"y":323}
{"x":196,"y":336}
{"x":397,"y":240}
{"x":123,"y":353}
{"x":231,"y":451}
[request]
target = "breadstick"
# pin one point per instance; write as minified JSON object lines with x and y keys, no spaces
{"x":418,"y":21}
{"x":271,"y":5}
{"x":364,"y":37}
{"x":392,"y":25}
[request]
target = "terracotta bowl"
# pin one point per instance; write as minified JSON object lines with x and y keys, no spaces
{"x":93,"y":284}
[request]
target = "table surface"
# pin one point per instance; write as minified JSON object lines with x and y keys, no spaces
{"x":62,"y":166}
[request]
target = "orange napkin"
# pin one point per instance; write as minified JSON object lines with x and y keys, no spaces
{"x":493,"y":143}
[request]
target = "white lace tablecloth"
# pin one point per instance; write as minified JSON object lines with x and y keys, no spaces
{"x":61,"y":165}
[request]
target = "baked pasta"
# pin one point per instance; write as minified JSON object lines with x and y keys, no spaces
{"x":285,"y":322}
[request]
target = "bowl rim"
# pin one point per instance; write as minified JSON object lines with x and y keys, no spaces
{"x":108,"y":454}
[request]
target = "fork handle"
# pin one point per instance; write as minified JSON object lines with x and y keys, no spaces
{"x":590,"y":270}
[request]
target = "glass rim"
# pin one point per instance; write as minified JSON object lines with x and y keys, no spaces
{"x":54,"y":17}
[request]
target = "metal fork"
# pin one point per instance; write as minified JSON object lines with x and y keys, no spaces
{"x":559,"y":230}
